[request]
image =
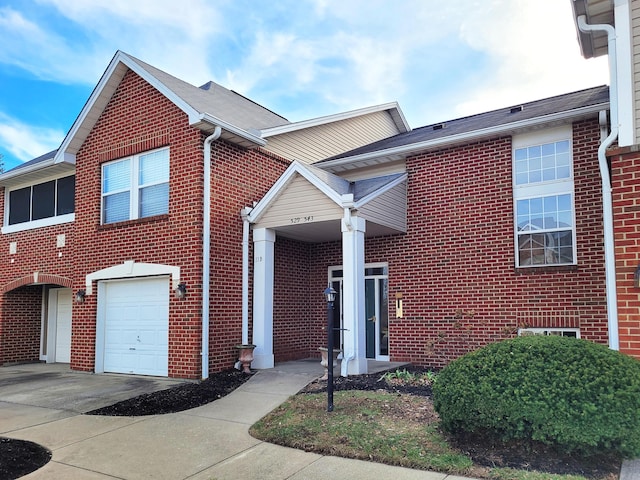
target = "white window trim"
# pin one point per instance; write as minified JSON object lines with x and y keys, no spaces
{"x":134,"y":186}
{"x":542,"y":331}
{"x":543,"y":189}
{"x":43,"y":222}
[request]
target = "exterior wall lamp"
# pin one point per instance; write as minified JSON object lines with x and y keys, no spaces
{"x":181,"y":291}
{"x":636,"y":278}
{"x":80,"y":295}
{"x":330,"y":296}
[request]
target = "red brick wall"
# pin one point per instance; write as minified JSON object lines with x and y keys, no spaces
{"x":455,"y":266}
{"x":625,"y":168}
{"x":20,"y":332}
{"x":137,"y":119}
{"x":291,"y":321}
{"x":36,"y":251}
{"x":239,"y":177}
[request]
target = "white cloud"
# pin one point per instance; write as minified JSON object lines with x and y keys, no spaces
{"x":302,"y":59}
{"x":26,"y":142}
{"x":533,"y":54}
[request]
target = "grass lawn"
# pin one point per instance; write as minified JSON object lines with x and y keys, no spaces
{"x":379,"y":426}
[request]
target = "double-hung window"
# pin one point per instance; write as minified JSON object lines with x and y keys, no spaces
{"x":544,"y":198}
{"x":136,"y":187}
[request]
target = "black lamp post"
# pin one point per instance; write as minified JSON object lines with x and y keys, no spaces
{"x":330,"y":295}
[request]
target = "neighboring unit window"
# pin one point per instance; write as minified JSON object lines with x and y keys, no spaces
{"x":135,"y":187}
{"x":561,"y":332}
{"x":544,"y":205}
{"x":43,"y":200}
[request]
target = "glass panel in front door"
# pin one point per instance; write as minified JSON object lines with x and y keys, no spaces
{"x":370,"y":314}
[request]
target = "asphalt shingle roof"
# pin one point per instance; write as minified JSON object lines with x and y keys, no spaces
{"x":503,"y":116}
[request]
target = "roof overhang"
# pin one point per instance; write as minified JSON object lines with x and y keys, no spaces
{"x":37,"y":172}
{"x":593,"y":44}
{"x":403,"y":151}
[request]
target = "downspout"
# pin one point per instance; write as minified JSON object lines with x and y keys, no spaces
{"x":206,"y":249}
{"x":607,"y":203}
{"x":245,"y":275}
{"x":344,"y":365}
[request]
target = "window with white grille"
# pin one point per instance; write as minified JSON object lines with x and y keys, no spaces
{"x":543,"y":194}
{"x":136,"y":187}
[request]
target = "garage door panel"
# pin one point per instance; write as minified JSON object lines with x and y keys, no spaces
{"x":137,"y":327}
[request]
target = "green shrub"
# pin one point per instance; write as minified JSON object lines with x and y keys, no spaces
{"x":570,"y":393}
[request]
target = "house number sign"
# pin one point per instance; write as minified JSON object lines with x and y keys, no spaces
{"x":307,"y":219}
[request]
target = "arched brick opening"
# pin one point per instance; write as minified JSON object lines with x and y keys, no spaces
{"x":37,"y":278}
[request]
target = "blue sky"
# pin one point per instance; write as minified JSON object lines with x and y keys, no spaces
{"x":440,"y":59}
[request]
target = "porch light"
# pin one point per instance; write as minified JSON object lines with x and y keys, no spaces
{"x":330,"y":296}
{"x":181,"y":290}
{"x":636,"y":278}
{"x":80,"y":296}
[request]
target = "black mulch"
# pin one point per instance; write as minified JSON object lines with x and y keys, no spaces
{"x":19,"y":457}
{"x":178,"y":398}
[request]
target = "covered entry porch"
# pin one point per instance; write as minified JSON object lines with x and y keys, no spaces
{"x":316,"y":208}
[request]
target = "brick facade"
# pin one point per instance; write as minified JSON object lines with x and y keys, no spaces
{"x":138,"y":118}
{"x":455,"y":266}
{"x":625,"y":170}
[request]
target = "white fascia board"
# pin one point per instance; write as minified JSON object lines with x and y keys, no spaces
{"x":507,"y":128}
{"x":295,"y":168}
{"x":226,"y":126}
{"x":364,"y":200}
{"x":314,"y":122}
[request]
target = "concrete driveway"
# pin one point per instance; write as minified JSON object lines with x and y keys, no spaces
{"x":55,"y":386}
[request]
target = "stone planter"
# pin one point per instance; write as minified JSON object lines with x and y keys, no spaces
{"x":245,"y":356}
{"x":324,"y":361}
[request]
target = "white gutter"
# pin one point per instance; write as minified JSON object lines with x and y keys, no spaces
{"x":607,"y":203}
{"x":206,"y":249}
{"x":506,"y":128}
{"x":245,"y":275}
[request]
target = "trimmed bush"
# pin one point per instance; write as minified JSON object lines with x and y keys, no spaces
{"x":570,"y":393}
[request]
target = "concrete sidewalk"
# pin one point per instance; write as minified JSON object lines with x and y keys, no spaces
{"x":208,"y":442}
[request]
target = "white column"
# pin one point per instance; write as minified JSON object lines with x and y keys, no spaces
{"x":263,"y":266}
{"x":353,"y":301}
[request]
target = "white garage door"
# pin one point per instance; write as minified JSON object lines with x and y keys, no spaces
{"x":137,"y":326}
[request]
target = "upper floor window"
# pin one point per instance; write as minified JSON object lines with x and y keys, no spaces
{"x":544,"y":198}
{"x":41,"y":201}
{"x":135,"y":187}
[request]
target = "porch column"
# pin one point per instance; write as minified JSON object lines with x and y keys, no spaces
{"x":263,"y":266}
{"x":353,"y":301}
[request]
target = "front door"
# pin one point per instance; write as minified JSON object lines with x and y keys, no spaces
{"x":376,"y":310}
{"x":59,"y":326}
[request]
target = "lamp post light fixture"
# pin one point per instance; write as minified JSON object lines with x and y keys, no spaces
{"x":330,"y":296}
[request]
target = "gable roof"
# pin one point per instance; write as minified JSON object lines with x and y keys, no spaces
{"x":505,"y":121}
{"x":207,"y":107}
{"x":344,"y":193}
{"x":392,"y":108}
